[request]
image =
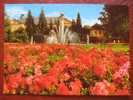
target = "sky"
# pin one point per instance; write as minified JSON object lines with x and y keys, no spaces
{"x":89,"y":13}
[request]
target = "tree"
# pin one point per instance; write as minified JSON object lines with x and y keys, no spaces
{"x":115,"y":21}
{"x":20,"y":35}
{"x":51,"y":25}
{"x":7,"y":28}
{"x":42,"y":25}
{"x":21,"y":17}
{"x":79,"y":27}
{"x":85,"y":32}
{"x":78,"y":23}
{"x":30,"y":26}
{"x":6,"y":23}
{"x":73,"y":27}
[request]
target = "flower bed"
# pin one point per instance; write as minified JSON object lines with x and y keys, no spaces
{"x":43,"y":69}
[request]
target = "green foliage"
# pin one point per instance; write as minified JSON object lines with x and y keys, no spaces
{"x":20,"y":35}
{"x":30,"y":26}
{"x":15,"y":66}
{"x":42,"y":25}
{"x":6,"y":23}
{"x":29,"y":71}
{"x":115,"y":21}
{"x":45,"y":68}
{"x":108,"y":75}
{"x":54,"y":57}
{"x":84,"y":91}
{"x":78,"y":24}
{"x":22,"y":38}
{"x":17,"y":36}
{"x":50,"y":91}
{"x":126,"y":80}
{"x":88,"y":79}
{"x":120,"y":48}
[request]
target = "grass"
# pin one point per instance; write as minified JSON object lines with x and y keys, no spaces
{"x":115,"y":47}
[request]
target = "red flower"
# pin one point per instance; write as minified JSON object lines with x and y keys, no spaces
{"x":47,"y":81}
{"x":99,"y":70}
{"x":85,"y":59}
{"x":14,"y":81}
{"x":66,"y":73}
{"x":123,"y":91}
{"x":29,"y":80}
{"x":62,"y":89}
{"x":76,"y":86}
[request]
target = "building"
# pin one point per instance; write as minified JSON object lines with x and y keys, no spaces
{"x":96,"y":34}
{"x":16,"y":24}
{"x":54,"y":21}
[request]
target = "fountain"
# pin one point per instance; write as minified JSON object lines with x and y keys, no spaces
{"x":62,"y":34}
{"x":52,"y":38}
{"x":88,"y":39}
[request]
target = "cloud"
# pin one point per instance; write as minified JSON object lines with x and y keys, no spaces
{"x":54,"y":14}
{"x":90,"y":22}
{"x":15,"y":12}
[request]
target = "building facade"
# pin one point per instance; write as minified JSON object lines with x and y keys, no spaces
{"x":96,"y":34}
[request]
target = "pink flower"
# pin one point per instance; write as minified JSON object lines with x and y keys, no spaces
{"x":118,"y":76}
{"x":103,"y":88}
{"x":99,"y":89}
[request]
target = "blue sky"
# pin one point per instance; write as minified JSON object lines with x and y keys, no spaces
{"x":88,"y":12}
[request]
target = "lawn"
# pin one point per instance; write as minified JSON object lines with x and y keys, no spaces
{"x":115,"y":47}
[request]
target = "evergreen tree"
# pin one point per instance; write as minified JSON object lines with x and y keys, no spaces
{"x":78,"y":23}
{"x":30,"y":26}
{"x":79,"y":26}
{"x":42,"y":25}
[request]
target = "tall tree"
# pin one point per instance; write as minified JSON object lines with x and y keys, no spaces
{"x":78,"y":23}
{"x":30,"y":26}
{"x":42,"y":25}
{"x":115,"y":21}
{"x":79,"y":27}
